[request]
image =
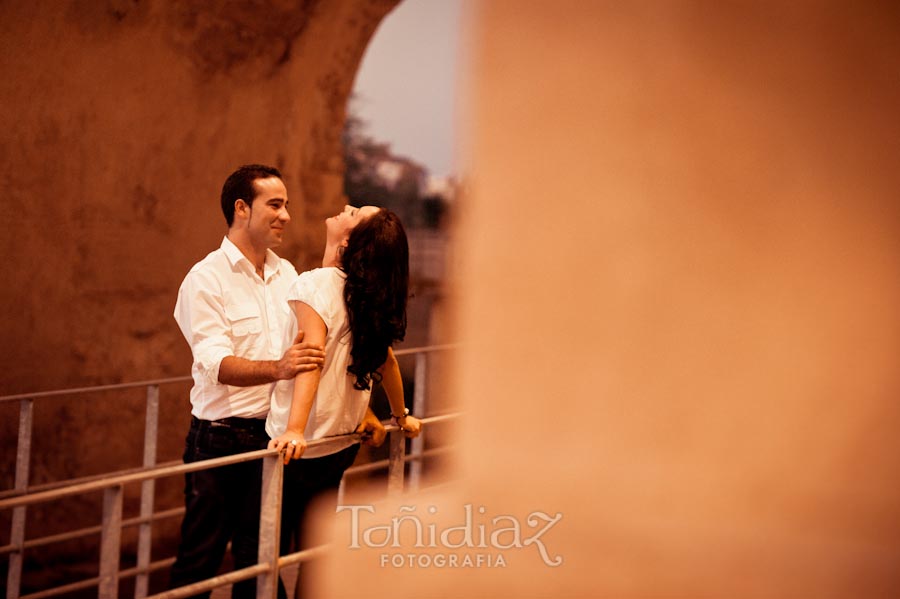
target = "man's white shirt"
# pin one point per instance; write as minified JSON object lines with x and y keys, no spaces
{"x":225,"y":309}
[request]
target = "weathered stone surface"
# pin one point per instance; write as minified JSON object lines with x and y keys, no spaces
{"x":678,"y":302}
{"x":120,"y":120}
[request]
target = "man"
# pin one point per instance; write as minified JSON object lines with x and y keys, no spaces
{"x":232,"y":309}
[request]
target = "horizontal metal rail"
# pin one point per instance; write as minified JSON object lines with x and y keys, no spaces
{"x":177,"y":379}
{"x":152,"y":473}
{"x":57,"y":484}
{"x":77,"y":390}
{"x":23,"y":495}
{"x":178,"y":511}
{"x":214,"y":582}
{"x":92,"y":530}
{"x":93,"y":582}
{"x":174,"y":512}
{"x":426,"y":349}
{"x":163,"y":471}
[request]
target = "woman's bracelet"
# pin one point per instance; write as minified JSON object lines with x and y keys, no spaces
{"x":404,"y":415}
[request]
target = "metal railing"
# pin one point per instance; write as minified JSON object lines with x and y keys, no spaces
{"x":22,"y":495}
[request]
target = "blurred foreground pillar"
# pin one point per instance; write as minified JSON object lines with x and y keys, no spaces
{"x":680,"y":310}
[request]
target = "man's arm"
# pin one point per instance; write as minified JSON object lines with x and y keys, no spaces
{"x":300,"y":357}
{"x":200,"y":314}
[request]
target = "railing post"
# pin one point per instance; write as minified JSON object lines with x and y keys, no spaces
{"x":395,"y":466}
{"x":270,"y":526}
{"x":110,"y":540}
{"x":17,"y":530}
{"x":148,"y":489}
{"x":418,"y":444}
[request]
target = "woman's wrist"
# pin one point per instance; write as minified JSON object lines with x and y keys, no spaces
{"x":401,"y":417}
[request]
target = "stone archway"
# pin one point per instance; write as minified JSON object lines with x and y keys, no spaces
{"x":120,"y":121}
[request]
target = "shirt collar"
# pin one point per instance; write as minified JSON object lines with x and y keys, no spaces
{"x":235,"y":256}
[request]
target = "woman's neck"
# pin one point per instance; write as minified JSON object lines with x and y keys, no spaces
{"x":331,"y":256}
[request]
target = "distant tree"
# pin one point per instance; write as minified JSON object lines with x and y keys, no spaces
{"x":434,"y":207}
{"x":374,"y":175}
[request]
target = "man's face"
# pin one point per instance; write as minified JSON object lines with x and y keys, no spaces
{"x":268,"y":213}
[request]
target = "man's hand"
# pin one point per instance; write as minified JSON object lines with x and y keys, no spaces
{"x":371,"y":429}
{"x":299,"y":357}
{"x":292,"y":445}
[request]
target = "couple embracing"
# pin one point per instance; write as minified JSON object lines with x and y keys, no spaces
{"x":280,"y":360}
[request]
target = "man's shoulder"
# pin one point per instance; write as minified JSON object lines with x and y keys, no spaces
{"x":211,"y":268}
{"x":205,"y":278}
{"x":213,"y":259}
{"x":286,"y":267}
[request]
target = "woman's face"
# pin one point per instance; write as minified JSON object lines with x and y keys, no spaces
{"x":338,"y":227}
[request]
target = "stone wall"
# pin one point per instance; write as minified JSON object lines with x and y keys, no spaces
{"x":120,"y":121}
{"x":678,"y":303}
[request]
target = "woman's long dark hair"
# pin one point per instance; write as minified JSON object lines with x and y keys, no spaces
{"x":376,"y":262}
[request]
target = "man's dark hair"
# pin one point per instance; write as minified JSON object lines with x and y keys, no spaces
{"x":239,"y":186}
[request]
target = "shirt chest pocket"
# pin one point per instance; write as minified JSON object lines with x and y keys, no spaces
{"x":244,"y":319}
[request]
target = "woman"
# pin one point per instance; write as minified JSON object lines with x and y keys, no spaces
{"x":355,"y":305}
